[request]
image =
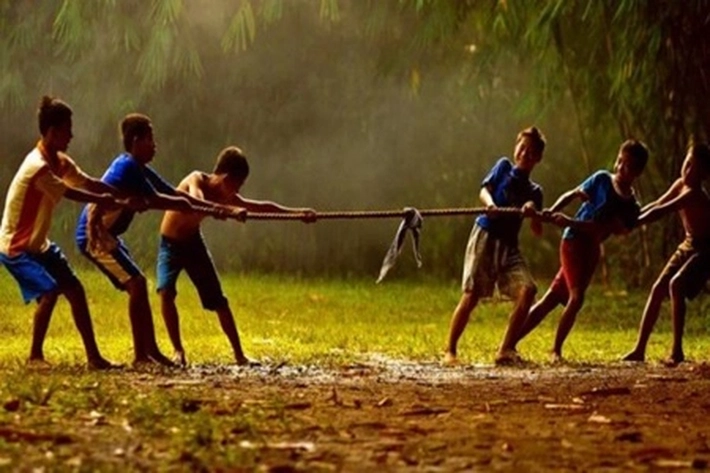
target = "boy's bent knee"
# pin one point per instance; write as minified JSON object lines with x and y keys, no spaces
{"x":677,"y":287}
{"x":137,"y":284}
{"x":468,"y":299}
{"x":167,"y":294}
{"x":528,"y":291}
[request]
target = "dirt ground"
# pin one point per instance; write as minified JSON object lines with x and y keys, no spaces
{"x":388,"y":415}
{"x":404,"y":416}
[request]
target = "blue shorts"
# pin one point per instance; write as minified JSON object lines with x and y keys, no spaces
{"x":192,"y":256}
{"x":117,"y":264}
{"x":38,"y":274}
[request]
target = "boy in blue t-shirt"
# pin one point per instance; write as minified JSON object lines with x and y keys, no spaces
{"x":492,"y":254}
{"x":98,"y":231}
{"x":609,"y":207}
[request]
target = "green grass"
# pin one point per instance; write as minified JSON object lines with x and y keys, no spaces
{"x":334,"y":321}
{"x":69,"y":418}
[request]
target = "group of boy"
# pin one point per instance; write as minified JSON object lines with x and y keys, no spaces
{"x":609,"y":207}
{"x":493,"y":257}
{"x":129,"y":185}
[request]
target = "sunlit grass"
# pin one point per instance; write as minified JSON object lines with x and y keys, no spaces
{"x":334,"y":321}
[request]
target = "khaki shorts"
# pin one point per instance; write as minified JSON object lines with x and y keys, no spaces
{"x":690,"y":263}
{"x":488,"y":262}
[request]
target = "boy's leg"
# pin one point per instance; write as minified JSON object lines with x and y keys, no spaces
{"x":478,"y":280}
{"x":517,"y":282}
{"x":569,"y":315}
{"x":677,"y":292}
{"x":141,"y":317}
{"x":541,"y":309}
{"x":82,"y":319}
{"x":169,"y":266}
{"x":556,"y":294}
{"x":659,"y":292}
{"x":688,"y":282}
{"x":579,"y":260}
{"x":229,"y":327}
{"x":32,"y":273}
{"x":126,"y":275}
{"x":203,"y":274}
{"x":459,"y":320}
{"x":68,"y":284}
{"x":43,"y":313}
{"x":172,"y":323}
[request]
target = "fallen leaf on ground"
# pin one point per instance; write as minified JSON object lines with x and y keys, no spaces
{"x":599,"y":419}
{"x":304,"y":446}
{"x":612,"y":391}
{"x":571,"y":407}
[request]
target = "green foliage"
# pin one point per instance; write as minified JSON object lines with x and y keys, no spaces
{"x":338,"y":95}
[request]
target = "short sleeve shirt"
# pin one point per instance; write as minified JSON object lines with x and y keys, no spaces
{"x":33,"y":193}
{"x":128,"y":175}
{"x":604,"y":204}
{"x":509,"y":187}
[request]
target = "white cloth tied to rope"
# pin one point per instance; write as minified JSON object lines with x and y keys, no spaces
{"x":412,"y":221}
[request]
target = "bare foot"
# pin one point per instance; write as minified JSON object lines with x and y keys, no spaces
{"x":634,"y":355}
{"x":508,"y":358}
{"x":161,"y":359}
{"x":556,"y":358}
{"x":244,"y":361}
{"x":102,"y":364}
{"x":179,"y":358}
{"x":450,"y":359}
{"x":673,"y":360}
{"x":39,"y":364}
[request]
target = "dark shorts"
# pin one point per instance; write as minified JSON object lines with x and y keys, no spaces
{"x":691,"y":265}
{"x":118,"y":264}
{"x":579,"y":257}
{"x":38,"y":274}
{"x":490,"y":262}
{"x":192,"y":256}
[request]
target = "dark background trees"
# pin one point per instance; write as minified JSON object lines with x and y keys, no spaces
{"x":349,"y":104}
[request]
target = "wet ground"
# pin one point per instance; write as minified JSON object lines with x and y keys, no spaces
{"x":388,"y":415}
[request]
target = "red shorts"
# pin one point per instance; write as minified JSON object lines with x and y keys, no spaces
{"x":578,"y":260}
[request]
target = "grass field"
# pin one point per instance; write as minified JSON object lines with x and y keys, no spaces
{"x":333,"y":321}
{"x":349,"y":383}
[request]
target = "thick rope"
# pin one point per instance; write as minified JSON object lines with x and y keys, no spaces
{"x":364,"y":214}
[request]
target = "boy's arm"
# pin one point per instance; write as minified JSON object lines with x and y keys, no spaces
{"x":562,"y":220}
{"x":80,"y":195}
{"x":566,"y":198}
{"x":669,"y":194}
{"x":659,"y":210}
{"x":121,"y":197}
{"x":486,"y":197}
{"x":265,"y":206}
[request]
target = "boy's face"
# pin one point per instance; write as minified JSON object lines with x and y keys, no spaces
{"x":58,"y":137}
{"x":625,"y":169}
{"x":143,"y":148}
{"x":526,"y":157}
{"x":231,"y":185}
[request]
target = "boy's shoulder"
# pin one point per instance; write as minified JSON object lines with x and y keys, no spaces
{"x":601,"y":174}
{"x":504,"y":162}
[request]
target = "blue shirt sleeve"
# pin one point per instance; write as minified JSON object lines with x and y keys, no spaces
{"x":127,"y":175}
{"x":593,"y":184}
{"x":496,"y":174}
{"x":160,"y":184}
